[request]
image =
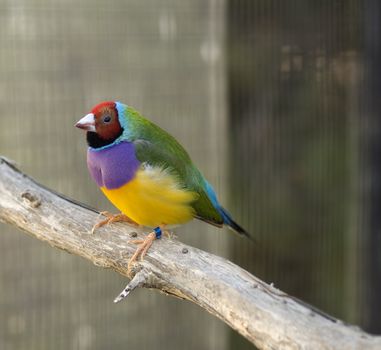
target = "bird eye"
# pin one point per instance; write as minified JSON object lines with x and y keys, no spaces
{"x":107,"y":119}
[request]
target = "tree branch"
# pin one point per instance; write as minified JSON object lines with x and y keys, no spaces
{"x":263,"y":314}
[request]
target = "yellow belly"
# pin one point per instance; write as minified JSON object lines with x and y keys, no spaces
{"x":153,"y":198}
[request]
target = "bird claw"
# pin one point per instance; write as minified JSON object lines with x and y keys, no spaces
{"x":111,"y":218}
{"x":136,"y":241}
{"x":141,"y":251}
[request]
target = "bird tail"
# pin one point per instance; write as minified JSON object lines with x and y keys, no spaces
{"x":232,"y":224}
{"x":226,"y":217}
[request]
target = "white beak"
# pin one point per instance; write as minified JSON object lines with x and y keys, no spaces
{"x":87,"y":123}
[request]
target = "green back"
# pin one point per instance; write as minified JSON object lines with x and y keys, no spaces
{"x":158,"y":148}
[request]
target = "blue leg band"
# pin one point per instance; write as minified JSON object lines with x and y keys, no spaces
{"x":157,"y":232}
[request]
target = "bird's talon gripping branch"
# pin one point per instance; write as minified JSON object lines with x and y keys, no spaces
{"x":111,"y":218}
{"x":145,"y":244}
{"x":136,"y":241}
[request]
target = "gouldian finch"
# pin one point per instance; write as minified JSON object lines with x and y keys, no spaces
{"x":147,"y":174}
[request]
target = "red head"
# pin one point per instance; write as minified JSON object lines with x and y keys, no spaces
{"x":102,"y":125}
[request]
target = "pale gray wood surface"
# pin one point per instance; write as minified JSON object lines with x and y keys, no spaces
{"x":264,"y":315}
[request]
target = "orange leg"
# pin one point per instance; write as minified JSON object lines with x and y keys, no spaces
{"x":144,"y":245}
{"x":110,"y":218}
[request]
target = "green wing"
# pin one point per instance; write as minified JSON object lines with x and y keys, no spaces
{"x":156,"y":147}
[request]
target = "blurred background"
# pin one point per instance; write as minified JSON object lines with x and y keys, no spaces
{"x":276,"y":101}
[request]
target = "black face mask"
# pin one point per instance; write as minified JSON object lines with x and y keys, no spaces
{"x":94,"y":141}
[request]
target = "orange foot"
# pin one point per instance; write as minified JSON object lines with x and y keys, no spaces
{"x":145,"y":244}
{"x":113,"y":218}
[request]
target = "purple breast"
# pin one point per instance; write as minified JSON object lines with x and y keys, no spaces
{"x":113,"y":167}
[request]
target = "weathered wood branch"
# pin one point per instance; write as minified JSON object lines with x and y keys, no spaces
{"x":263,"y":314}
